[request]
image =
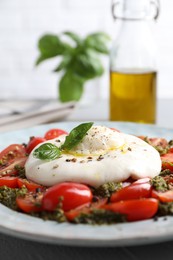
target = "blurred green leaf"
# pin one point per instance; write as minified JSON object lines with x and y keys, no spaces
{"x":98,"y":41}
{"x":74,"y":37}
{"x":70,"y":87}
{"x":88,"y":65}
{"x":79,"y":62}
{"x":63,"y":64}
{"x":51,"y":46}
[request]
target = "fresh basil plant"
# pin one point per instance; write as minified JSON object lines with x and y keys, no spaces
{"x":80,"y":60}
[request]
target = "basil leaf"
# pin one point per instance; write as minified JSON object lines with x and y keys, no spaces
{"x":51,"y":46}
{"x":74,"y":37}
{"x":63,"y":64}
{"x":98,"y":42}
{"x":47,"y":151}
{"x":76,"y":135}
{"x":87,"y":65}
{"x":70,"y":87}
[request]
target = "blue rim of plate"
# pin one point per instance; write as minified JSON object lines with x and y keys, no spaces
{"x":123,"y":234}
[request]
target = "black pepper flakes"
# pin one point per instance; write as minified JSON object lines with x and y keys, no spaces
{"x":100,"y":158}
{"x":55,"y":166}
{"x":129,"y":149}
{"x":82,"y":161}
{"x":74,"y":160}
{"x":156,"y":218}
{"x":68,"y":160}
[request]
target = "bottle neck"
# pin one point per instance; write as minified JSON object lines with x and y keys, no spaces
{"x":134,"y":47}
{"x":135,"y":9}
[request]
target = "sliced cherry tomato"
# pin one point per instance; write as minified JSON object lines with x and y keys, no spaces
{"x":34,"y":141}
{"x":86,"y":208}
{"x":170,"y":150}
{"x":167,"y":161}
{"x":10,"y":168}
{"x":72,"y":194}
{"x":12,"y":152}
{"x":53,"y":133}
{"x":158,"y":142}
{"x":133,"y":191}
{"x":135,"y":209}
{"x":166,"y":196}
{"x":143,"y":180}
{"x":30,"y":202}
{"x":155,"y":141}
{"x":31,"y":186}
{"x":8,"y":181}
{"x":114,"y":129}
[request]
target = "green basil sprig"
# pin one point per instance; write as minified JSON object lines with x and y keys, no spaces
{"x":80,"y":61}
{"x":76,"y":135}
{"x":49,"y":151}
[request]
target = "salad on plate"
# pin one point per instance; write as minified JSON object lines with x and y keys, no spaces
{"x":92,"y":175}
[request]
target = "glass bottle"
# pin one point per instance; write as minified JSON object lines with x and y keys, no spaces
{"x":132,"y":63}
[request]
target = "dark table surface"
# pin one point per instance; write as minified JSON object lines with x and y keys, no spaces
{"x":20,"y":249}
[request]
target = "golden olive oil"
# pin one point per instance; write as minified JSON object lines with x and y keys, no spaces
{"x":133,"y":97}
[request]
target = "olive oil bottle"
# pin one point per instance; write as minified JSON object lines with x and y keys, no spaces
{"x":133,"y":73}
{"x":133,"y":97}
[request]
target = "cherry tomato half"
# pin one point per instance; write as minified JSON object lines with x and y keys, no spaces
{"x":167,"y":161}
{"x":114,"y":129}
{"x":73,"y":195}
{"x":166,"y":196}
{"x":158,"y":142}
{"x":86,"y":208}
{"x":8,"y":181}
{"x":30,"y":203}
{"x":135,"y":209}
{"x":170,"y":150}
{"x":53,"y":133}
{"x":10,"y":168}
{"x":31,"y":186}
{"x":34,"y":141}
{"x":12,"y":152}
{"x":136,"y":190}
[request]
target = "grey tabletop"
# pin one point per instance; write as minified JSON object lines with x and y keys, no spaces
{"x":14,"y":248}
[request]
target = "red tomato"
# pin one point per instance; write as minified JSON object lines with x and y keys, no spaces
{"x":170,"y":150}
{"x":9,"y":168}
{"x":167,"y":161}
{"x":143,"y":180}
{"x":53,"y":133}
{"x":8,"y":181}
{"x":73,"y":195}
{"x":30,"y":203}
{"x":86,"y":208}
{"x":114,"y":129}
{"x":34,"y":141}
{"x":166,"y":196}
{"x":158,"y":142}
{"x":31,"y":186}
{"x":133,"y":191}
{"x":135,"y":209}
{"x":12,"y":152}
{"x":154,"y":141}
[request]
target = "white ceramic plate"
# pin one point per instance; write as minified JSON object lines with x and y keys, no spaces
{"x":141,"y":232}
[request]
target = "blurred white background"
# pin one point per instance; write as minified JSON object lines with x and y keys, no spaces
{"x":22,"y":22}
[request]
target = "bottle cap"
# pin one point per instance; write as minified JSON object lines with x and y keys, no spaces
{"x":135,"y":9}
